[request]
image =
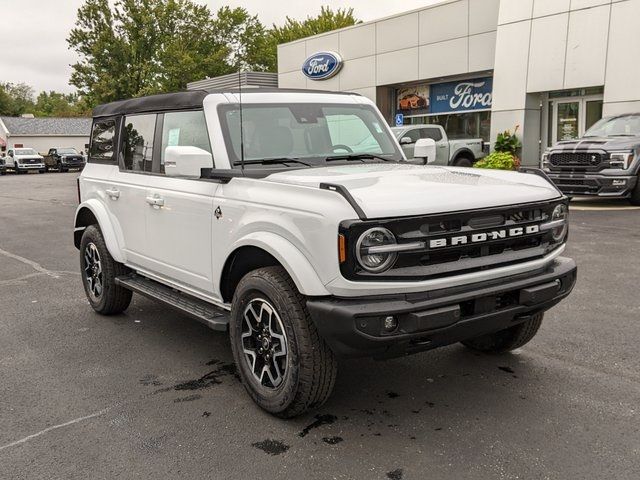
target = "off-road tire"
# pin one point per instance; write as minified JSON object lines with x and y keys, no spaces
{"x":635,"y":194}
{"x":463,"y":161}
{"x":507,"y":340}
{"x":114,"y":298}
{"x":311,"y":366}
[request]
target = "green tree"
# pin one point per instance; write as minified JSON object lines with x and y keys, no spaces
{"x":141,"y":47}
{"x":56,"y":104}
{"x":15,"y":99}
{"x":292,"y":29}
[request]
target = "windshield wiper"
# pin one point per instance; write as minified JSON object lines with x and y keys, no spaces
{"x":623,"y":135}
{"x":360,"y":156}
{"x":269,"y":161}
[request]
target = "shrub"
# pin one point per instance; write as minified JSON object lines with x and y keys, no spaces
{"x":499,"y":161}
{"x":508,"y":142}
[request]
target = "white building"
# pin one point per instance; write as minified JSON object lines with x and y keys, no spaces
{"x":41,"y":134}
{"x":478,"y":67}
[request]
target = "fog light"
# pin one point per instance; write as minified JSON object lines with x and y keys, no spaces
{"x":390,"y":324}
{"x":619,"y":183}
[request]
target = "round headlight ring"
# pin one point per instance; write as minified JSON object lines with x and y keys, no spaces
{"x":377,"y":262}
{"x":561,"y":212}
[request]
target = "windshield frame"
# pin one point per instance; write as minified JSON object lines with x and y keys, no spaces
{"x":302,"y":162}
{"x":24,"y":151}
{"x":600,"y":124}
{"x":67,"y":151}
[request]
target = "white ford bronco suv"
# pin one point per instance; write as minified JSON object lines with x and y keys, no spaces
{"x":291,"y":219}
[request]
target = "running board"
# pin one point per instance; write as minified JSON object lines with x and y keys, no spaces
{"x":211,"y":315}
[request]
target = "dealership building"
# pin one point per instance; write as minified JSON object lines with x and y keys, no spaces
{"x":479,"y":67}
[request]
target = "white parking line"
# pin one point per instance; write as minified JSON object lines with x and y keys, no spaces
{"x":55,"y":427}
{"x":595,"y":208}
{"x":36,"y":266}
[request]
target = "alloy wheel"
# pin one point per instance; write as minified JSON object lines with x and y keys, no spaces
{"x":93,"y":270}
{"x":264,"y":343}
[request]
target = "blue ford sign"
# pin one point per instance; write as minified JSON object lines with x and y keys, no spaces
{"x":322,"y":65}
{"x":462,"y":96}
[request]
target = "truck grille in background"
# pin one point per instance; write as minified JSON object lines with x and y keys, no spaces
{"x":578,"y":159}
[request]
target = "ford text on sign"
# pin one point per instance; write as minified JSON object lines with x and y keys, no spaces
{"x":462,"y":96}
{"x":321,"y":66}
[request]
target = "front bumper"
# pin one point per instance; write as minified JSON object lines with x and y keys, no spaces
{"x":594,"y":184}
{"x":427,"y":320}
{"x":29,"y":166}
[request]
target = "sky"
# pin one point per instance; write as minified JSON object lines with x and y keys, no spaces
{"x":34,"y":32}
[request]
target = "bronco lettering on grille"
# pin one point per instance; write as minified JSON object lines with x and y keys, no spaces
{"x":484,"y":237}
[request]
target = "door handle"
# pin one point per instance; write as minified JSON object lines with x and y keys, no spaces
{"x":113,"y":193}
{"x":155,"y":201}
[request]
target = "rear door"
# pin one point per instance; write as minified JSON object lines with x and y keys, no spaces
{"x":125,"y":191}
{"x":180,"y":211}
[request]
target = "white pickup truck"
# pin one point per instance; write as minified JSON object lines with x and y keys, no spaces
{"x":462,"y":152}
{"x":292,"y":220}
{"x":23,"y":160}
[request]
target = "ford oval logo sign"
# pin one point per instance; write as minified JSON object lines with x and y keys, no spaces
{"x":321,"y":66}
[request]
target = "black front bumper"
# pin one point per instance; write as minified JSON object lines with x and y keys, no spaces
{"x":619,"y":186}
{"x":427,"y":320}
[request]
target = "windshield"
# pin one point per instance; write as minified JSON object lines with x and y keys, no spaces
{"x":624,"y":126}
{"x":312,"y":133}
{"x":26,"y":151}
{"x":67,"y":151}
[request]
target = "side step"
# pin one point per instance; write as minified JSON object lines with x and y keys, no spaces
{"x":211,"y":315}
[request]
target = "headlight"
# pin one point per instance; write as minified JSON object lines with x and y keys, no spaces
{"x":561,"y":216}
{"x":544,"y":162}
{"x":371,"y":250}
{"x":621,"y":159}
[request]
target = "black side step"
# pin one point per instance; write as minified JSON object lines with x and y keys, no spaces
{"x":211,"y":315}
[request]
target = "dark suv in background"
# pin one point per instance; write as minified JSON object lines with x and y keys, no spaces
{"x":604,"y":162}
{"x":63,"y":159}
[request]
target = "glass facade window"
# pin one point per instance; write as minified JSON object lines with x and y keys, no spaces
{"x":459,"y":125}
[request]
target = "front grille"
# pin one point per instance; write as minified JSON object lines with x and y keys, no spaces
{"x":495,"y":245}
{"x":577,"y":159}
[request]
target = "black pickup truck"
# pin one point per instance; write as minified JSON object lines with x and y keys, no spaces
{"x":605,"y":162}
{"x":63,"y":159}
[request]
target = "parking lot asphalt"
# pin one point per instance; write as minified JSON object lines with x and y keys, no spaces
{"x":152,"y":394}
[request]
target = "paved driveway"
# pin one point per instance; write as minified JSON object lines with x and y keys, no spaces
{"x":152,"y":394}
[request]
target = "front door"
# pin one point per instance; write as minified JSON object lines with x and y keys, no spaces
{"x":180,"y":211}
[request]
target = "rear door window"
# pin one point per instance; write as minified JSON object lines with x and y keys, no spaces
{"x":432,"y":133}
{"x":137,"y":143}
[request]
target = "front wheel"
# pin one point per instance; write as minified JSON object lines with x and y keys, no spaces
{"x":507,"y":340}
{"x":99,"y":271}
{"x":285,"y":366}
{"x":465,"y":162}
{"x":635,"y":194}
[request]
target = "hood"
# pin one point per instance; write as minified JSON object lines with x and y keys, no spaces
{"x":393,"y":190}
{"x":28,"y":157}
{"x":609,"y":144}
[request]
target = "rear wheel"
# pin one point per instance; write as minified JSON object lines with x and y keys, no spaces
{"x":284,"y":364}
{"x":509,"y":339}
{"x":99,"y":271}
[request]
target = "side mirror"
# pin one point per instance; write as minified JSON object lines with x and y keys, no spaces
{"x":425,"y":149}
{"x":186,"y":161}
{"x":406,"y":141}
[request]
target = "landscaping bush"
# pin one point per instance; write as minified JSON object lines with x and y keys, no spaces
{"x":499,"y":161}
{"x":505,"y":156}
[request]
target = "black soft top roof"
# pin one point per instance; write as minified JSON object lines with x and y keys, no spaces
{"x":182,"y":100}
{"x":154,"y":103}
